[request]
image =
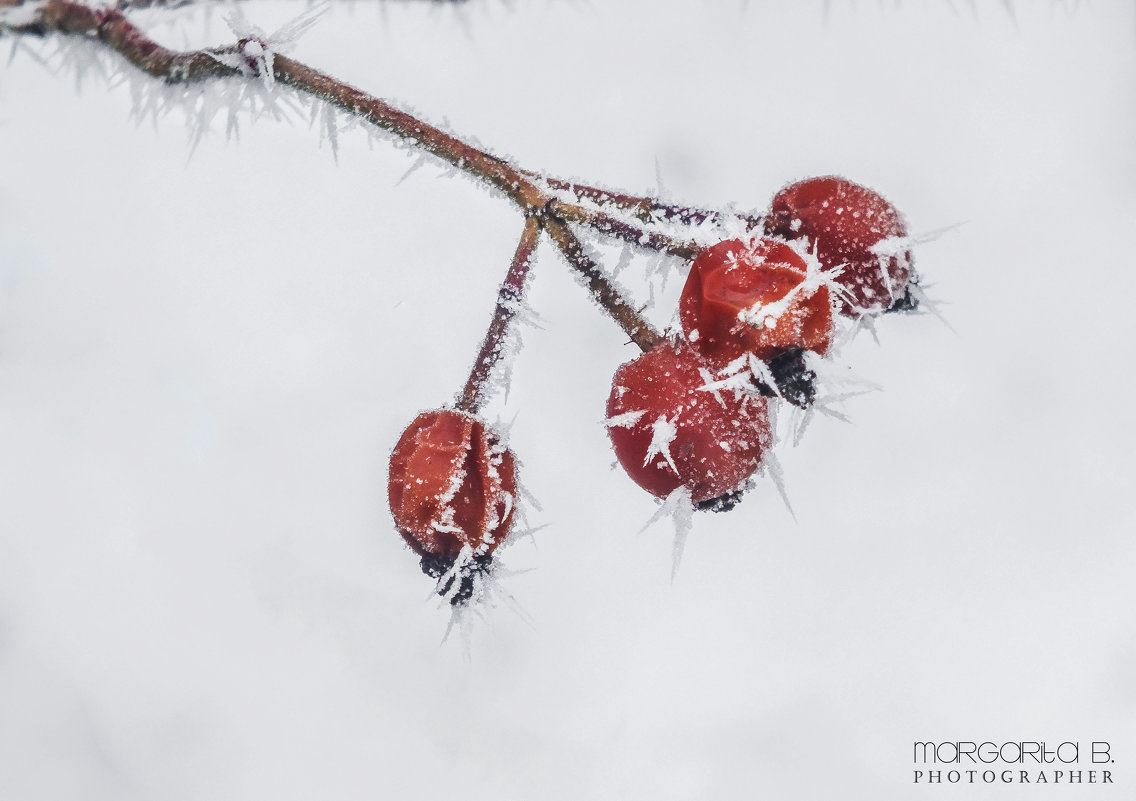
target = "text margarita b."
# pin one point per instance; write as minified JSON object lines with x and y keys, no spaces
{"x":1012,"y":763}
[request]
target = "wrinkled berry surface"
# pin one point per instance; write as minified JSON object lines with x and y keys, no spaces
{"x":452,"y":483}
{"x":733,"y":283}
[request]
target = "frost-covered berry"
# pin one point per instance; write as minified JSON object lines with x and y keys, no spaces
{"x":669,"y":432}
{"x":452,"y":486}
{"x":849,"y":225}
{"x":758,"y":297}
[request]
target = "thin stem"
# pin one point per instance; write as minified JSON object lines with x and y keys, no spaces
{"x":494,"y":171}
{"x":645,"y":209}
{"x":606,"y":224}
{"x":605,"y":293}
{"x":509,"y":299}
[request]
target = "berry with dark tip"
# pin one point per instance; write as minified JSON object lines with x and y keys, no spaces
{"x":452,"y":485}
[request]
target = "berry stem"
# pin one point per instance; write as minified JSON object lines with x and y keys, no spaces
{"x":509,"y":299}
{"x":612,"y":226}
{"x":645,"y":209}
{"x":605,"y":293}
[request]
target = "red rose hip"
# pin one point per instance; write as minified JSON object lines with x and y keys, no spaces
{"x":754,"y":297}
{"x":452,"y":484}
{"x":668,"y":432}
{"x":847,"y":224}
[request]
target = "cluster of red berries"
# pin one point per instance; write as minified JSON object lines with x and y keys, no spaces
{"x":691,"y":413}
{"x":752,"y":308}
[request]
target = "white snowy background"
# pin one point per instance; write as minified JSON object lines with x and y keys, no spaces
{"x":205,"y":361}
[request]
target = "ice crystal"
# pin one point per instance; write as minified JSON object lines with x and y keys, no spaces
{"x":625,"y":420}
{"x":257,"y":50}
{"x":765,"y":315}
{"x":472,"y":586}
{"x":663,"y":433}
{"x":680,"y":509}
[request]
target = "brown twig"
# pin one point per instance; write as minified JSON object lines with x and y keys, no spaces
{"x":638,"y":329}
{"x":110,"y":27}
{"x":509,"y":299}
{"x":645,"y":209}
{"x":612,"y":226}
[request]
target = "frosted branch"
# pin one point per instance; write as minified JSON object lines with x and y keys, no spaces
{"x":110,"y":27}
{"x":509,"y":299}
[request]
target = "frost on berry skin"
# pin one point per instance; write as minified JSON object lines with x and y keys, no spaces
{"x":850,"y":225}
{"x":670,"y":432}
{"x":754,"y":297}
{"x":452,"y":485}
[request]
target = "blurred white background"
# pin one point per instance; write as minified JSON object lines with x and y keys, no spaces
{"x":205,"y":360}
